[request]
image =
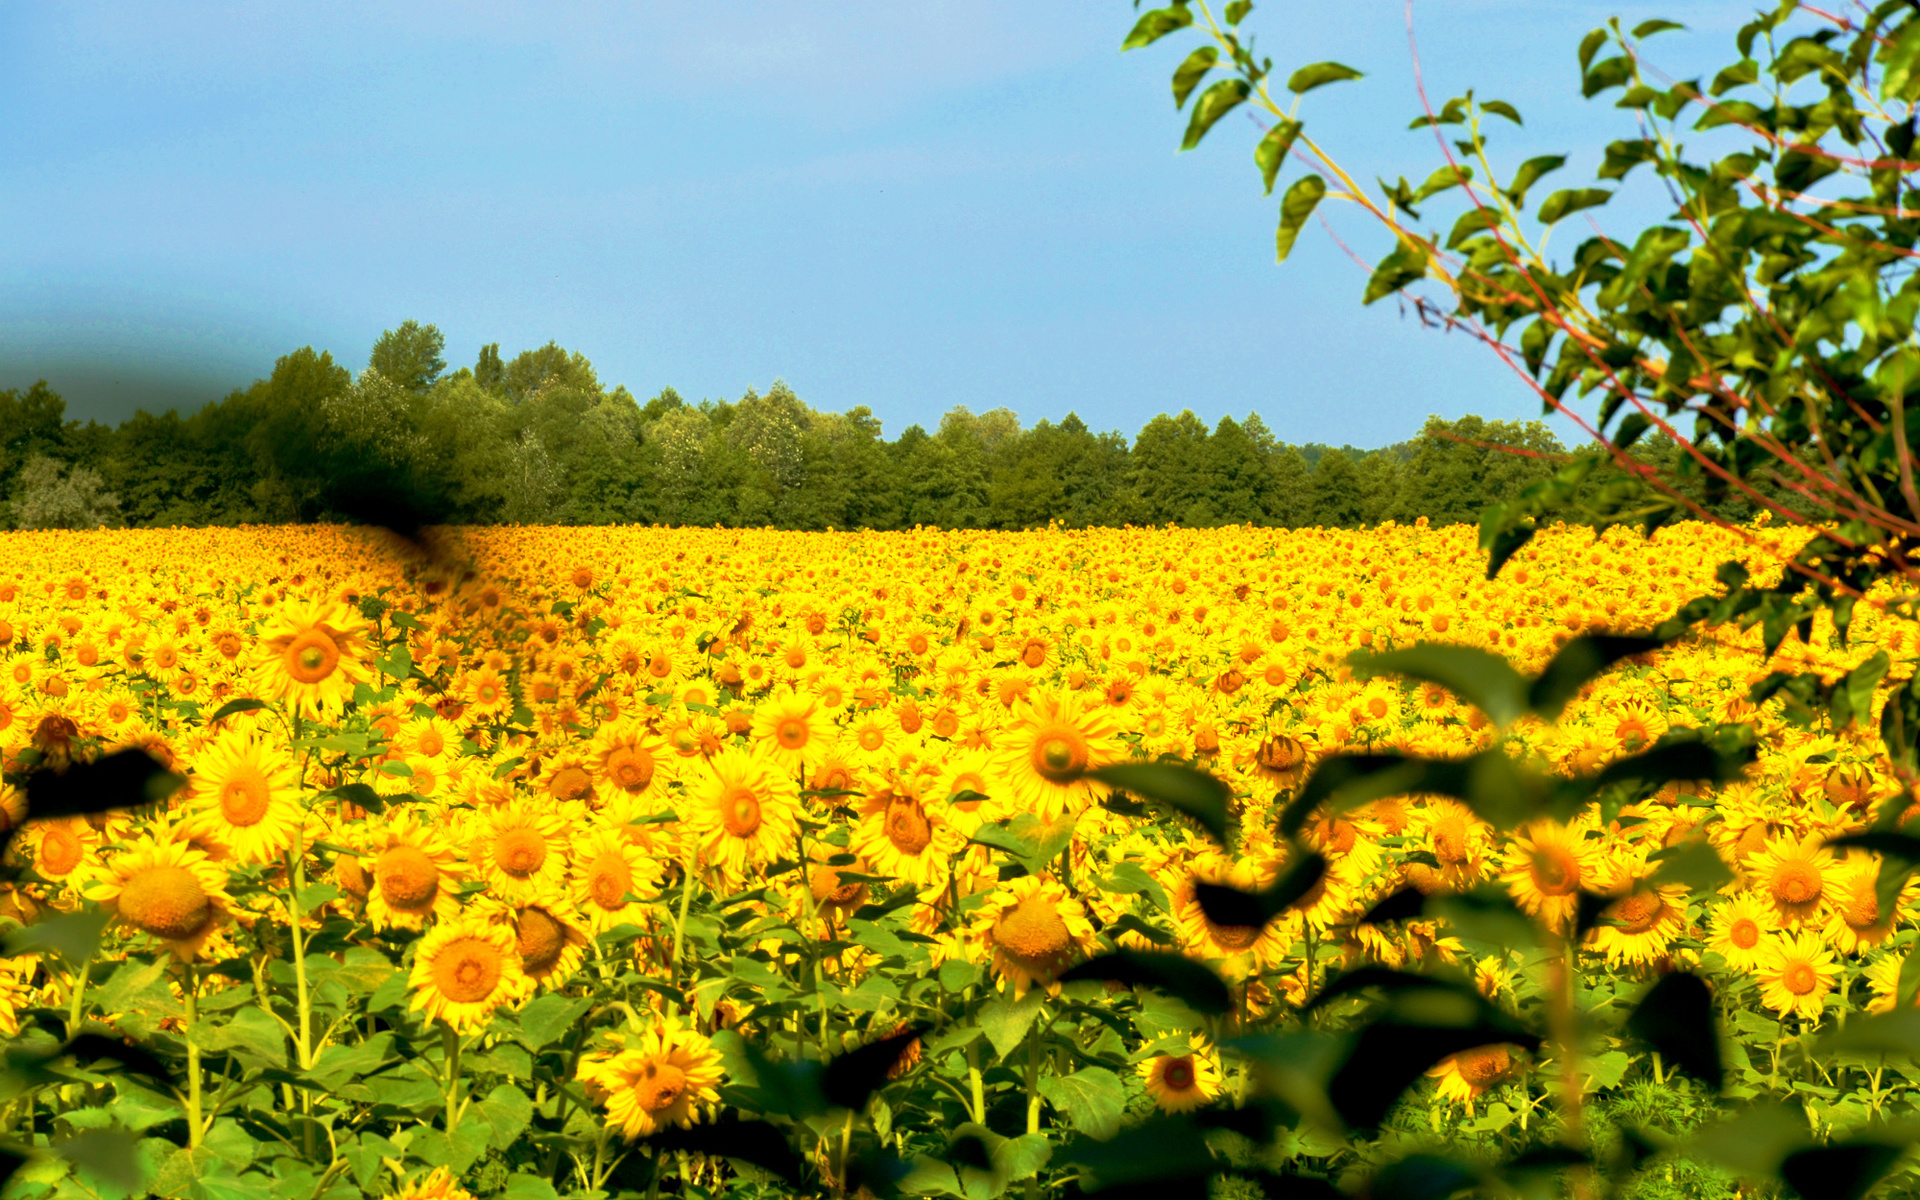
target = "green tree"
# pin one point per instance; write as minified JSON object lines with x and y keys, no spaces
{"x":49,"y":495}
{"x":1334,"y":497}
{"x":548,"y":366}
{"x":412,"y":356}
{"x":1170,"y":473}
{"x":490,"y":372}
{"x":1459,"y":467}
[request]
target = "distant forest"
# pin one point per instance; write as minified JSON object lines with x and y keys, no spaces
{"x":538,"y":439}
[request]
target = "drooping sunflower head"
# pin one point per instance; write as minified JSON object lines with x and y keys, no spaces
{"x":1032,"y":931}
{"x":167,"y":889}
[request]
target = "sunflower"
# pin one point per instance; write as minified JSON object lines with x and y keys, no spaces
{"x":415,"y":871}
{"x":312,"y":656}
{"x":744,"y":814}
{"x":565,"y":776}
{"x":789,"y":729}
{"x":1032,"y":931}
{"x":520,"y":849}
{"x":628,"y":764}
{"x":486,"y":695}
{"x":463,"y":970}
{"x":1795,"y":875}
{"x":871,"y":740}
{"x":168,"y":889}
{"x":1546,"y":865}
{"x":64,"y":849}
{"x":1854,"y":921}
{"x":1641,"y":922}
{"x":901,"y":836}
{"x":1182,"y":1082}
{"x":1796,"y":972}
{"x":607,"y":870}
{"x":1242,"y":950}
{"x":1468,"y":1074}
{"x":1046,"y":750}
{"x":657,"y":1082}
{"x":248,"y":796}
{"x":1740,"y":931}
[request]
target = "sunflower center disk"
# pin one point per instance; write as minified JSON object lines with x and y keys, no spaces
{"x":742,"y":812}
{"x":1060,"y":756}
{"x":467,"y":970}
{"x":907,"y":827}
{"x":611,"y":882}
{"x":166,"y":902}
{"x":520,"y":852}
{"x":660,"y":1086}
{"x":408,"y":878}
{"x":243,"y":799}
{"x":1797,"y":883}
{"x":541,"y":939}
{"x":1032,"y":933}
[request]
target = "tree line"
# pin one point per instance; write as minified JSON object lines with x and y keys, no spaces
{"x":539,"y":439}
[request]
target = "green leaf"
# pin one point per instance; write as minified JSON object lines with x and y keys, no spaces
{"x":1271,"y":153}
{"x":108,"y":1156}
{"x":1898,"y":77}
{"x":1577,"y":662}
{"x":1590,"y":45}
{"x":1193,"y":983}
{"x":1216,"y":102}
{"x":528,"y":1187}
{"x":1853,"y":695}
{"x":250,"y":1030}
{"x":1480,"y":677}
{"x":1319,"y":74}
{"x":73,"y":936}
{"x":1295,"y":207}
{"x":1005,"y":1020}
{"x":1571,"y":200}
{"x":1605,"y":74}
{"x":1190,"y":791}
{"x":1500,"y":108}
{"x":1190,"y":72}
{"x":1647,"y":29}
{"x":1693,"y":863}
{"x":1022,"y":1157}
{"x":1130,"y":878}
{"x":508,"y":1111}
{"x":1449,"y":176}
{"x":1407,"y":264}
{"x":1156,"y":24}
{"x":1091,"y":1098}
{"x":1472,"y":221}
{"x":1529,"y":174}
{"x":549,"y":1016}
{"x":1843,"y":1170}
{"x":244,"y":704}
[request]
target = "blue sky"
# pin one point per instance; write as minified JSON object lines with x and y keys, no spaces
{"x":905,"y":205}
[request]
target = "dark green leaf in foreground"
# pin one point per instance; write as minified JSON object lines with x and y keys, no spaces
{"x":1675,"y":1018}
{"x":1188,"y":790}
{"x":759,"y":1143}
{"x":1480,"y":677}
{"x":1841,"y":1171}
{"x":1175,"y":974}
{"x":1578,"y":662}
{"x":851,"y":1078}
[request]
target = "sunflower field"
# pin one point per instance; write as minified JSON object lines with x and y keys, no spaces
{"x":591,"y":863}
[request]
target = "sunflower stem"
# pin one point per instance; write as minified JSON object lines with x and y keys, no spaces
{"x":977,"y":1084}
{"x":75,"y":1001}
{"x":680,"y":922}
{"x":303,"y":1040}
{"x":191,"y":987}
{"x":451,"y":1041}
